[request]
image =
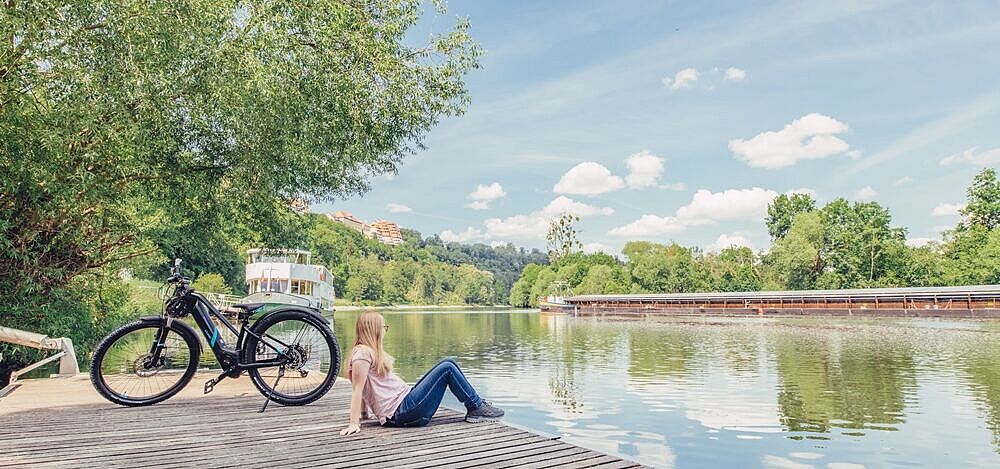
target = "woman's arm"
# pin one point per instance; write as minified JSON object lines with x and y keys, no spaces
{"x":359,"y":375}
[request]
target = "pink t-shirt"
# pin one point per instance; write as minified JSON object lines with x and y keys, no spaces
{"x":382,"y":394}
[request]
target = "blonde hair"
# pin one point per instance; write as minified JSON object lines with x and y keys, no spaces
{"x":368,"y":331}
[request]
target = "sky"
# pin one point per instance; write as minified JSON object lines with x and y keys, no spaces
{"x":680,"y":121}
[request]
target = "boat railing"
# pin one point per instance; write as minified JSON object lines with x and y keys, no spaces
{"x":66,"y":355}
{"x":221,"y":300}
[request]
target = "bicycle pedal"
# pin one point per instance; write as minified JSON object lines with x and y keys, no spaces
{"x":210,"y":385}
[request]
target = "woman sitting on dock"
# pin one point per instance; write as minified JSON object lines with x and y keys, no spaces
{"x":374,"y":385}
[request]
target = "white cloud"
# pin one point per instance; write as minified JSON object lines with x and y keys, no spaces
{"x":682,"y":79}
{"x":733,"y":204}
{"x":469,"y":234}
{"x":865,"y":193}
{"x":588,"y":178}
{"x":725,"y":241}
{"x":921,"y":242}
{"x":397,"y":208}
{"x":674,"y":186}
{"x":649,"y":226}
{"x":809,"y":137}
{"x":517,"y":227}
{"x":563,"y":204}
{"x":735,"y":74}
{"x":498,"y":243}
{"x":945,"y":209}
{"x":706,"y":207}
{"x":903,"y":180}
{"x":644,"y":170}
{"x":591,"y":248}
{"x":984,"y":158}
{"x":484,"y":195}
{"x":536,"y":224}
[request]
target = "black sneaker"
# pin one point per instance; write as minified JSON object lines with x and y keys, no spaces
{"x":486,"y":412}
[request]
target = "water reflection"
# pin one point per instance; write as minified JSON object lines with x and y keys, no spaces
{"x":842,"y":379}
{"x":732,"y":392}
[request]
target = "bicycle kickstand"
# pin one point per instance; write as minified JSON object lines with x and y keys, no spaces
{"x":270,"y":392}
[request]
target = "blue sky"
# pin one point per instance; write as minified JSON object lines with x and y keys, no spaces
{"x":679,"y":121}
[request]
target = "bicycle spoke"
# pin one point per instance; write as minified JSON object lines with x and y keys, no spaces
{"x":128,"y":372}
{"x":308,"y":354}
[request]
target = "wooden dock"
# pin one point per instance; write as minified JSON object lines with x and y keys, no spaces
{"x":64,"y":423}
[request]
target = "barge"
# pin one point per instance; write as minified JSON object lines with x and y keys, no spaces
{"x":977,"y":301}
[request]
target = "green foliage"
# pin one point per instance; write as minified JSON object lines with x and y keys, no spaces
{"x":505,"y":262}
{"x":840,"y":245}
{"x":369,"y":272}
{"x":602,"y":280}
{"x":782,"y":211}
{"x":733,"y":269}
{"x":212,"y":283}
{"x":142,"y":131}
{"x":520,"y":292}
{"x":983,"y":207}
{"x":795,"y":260}
{"x":662,"y":268}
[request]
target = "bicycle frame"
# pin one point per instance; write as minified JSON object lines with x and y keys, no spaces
{"x":229,"y":358}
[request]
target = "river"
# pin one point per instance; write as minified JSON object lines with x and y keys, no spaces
{"x":746,"y":392}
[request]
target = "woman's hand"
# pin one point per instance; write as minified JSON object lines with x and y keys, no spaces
{"x":351,"y":429}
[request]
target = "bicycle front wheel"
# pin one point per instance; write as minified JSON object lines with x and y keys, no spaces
{"x":126,"y":371}
{"x":309,"y":348}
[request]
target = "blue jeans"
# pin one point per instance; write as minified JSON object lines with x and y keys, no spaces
{"x":425,"y":397}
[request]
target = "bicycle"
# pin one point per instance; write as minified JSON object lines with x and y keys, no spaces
{"x":151,"y":359}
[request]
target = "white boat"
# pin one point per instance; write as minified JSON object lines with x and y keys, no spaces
{"x":287,"y":276}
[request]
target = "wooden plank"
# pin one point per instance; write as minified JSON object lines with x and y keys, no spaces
{"x":521,"y":457}
{"x":604,"y":462}
{"x":563,"y":461}
{"x":433,"y":448}
{"x":332,"y":445}
{"x":477,"y":452}
{"x":227,"y":431}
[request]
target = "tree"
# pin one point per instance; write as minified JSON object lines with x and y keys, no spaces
{"x":120,"y":120}
{"x":782,"y":211}
{"x":601,"y":280}
{"x":983,"y":207}
{"x":212,"y":283}
{"x":795,"y":259}
{"x":859,"y":243}
{"x":562,"y":236}
{"x":520,"y":292}
{"x":733,"y":269}
{"x":365,"y":283}
{"x":658,"y":268}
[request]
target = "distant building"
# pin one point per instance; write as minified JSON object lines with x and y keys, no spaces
{"x":347,"y":218}
{"x":387,"y":232}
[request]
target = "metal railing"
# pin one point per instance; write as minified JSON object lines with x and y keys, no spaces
{"x":66,"y":355}
{"x":221,"y":300}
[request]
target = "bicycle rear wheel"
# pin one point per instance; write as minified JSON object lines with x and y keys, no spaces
{"x":310,"y":347}
{"x":125,"y":372}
